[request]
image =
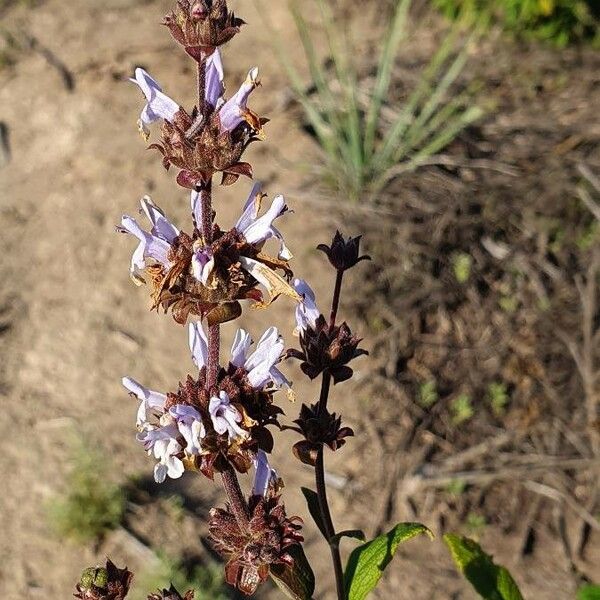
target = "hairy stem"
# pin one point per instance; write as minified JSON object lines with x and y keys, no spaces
{"x":239,"y":506}
{"x":201,"y":86}
{"x":337,"y":292}
{"x":229,"y":477}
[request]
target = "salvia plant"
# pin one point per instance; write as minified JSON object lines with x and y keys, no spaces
{"x":219,"y":422}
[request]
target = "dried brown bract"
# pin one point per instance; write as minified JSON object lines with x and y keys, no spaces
{"x":327,"y":349}
{"x":251,"y":552}
{"x":200,"y":26}
{"x":319,"y":427}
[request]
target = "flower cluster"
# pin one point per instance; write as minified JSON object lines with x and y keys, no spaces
{"x":192,"y":277}
{"x":209,"y":139}
{"x":252,"y":551}
{"x":208,"y":428}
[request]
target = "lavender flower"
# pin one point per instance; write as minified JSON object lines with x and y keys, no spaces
{"x":264,"y":477}
{"x":154,"y":244}
{"x":235,"y":110}
{"x":258,"y":230}
{"x":150,"y":400}
{"x":190,"y":426}
{"x":158,"y":105}
{"x":214,"y":80}
{"x":225,"y":417}
{"x":307,"y":312}
{"x":162,"y":441}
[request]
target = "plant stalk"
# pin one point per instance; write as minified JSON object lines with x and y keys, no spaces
{"x":335,"y":304}
{"x":320,"y":464}
{"x":237,"y":501}
{"x":328,"y":524}
{"x":229,"y":477}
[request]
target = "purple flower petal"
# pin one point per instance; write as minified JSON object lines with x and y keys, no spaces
{"x":265,"y":357}
{"x":232,"y":112}
{"x":203,"y":263}
{"x":161,"y":226}
{"x":214,"y":79}
{"x":150,"y":400}
{"x":263,"y":476}
{"x":307,"y":312}
{"x":159,"y":105}
{"x":261,"y":229}
{"x":239,"y":349}
{"x":226,"y":417}
{"x":251,"y":208}
{"x":189,"y":423}
{"x":198,"y":344}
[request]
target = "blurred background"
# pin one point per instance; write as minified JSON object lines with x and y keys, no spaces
{"x":461,"y":138}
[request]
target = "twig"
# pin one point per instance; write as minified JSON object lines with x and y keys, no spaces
{"x":558,"y":496}
{"x":480,"y":476}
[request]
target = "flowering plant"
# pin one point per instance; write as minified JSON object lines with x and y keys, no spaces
{"x":220,"y":420}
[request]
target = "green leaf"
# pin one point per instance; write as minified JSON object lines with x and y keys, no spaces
{"x":491,"y":581}
{"x":589,"y":592}
{"x":315,"y":510}
{"x":297,"y":581}
{"x":357,"y":534}
{"x":367,"y":562}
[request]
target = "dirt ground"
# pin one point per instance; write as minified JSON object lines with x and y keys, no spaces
{"x":72,"y":324}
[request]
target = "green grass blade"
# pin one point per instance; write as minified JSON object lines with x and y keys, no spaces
{"x":447,"y":134}
{"x":386,"y":63}
{"x":322,"y":129}
{"x":393,"y":138}
{"x":347,"y":76}
{"x":437,"y":97}
{"x":319,"y":76}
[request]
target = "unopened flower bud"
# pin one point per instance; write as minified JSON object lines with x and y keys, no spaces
{"x":171,"y":594}
{"x":199,"y":11}
{"x":343,"y":254}
{"x":104,"y":583}
{"x":94,"y":577}
{"x":326,"y":348}
{"x":318,"y":428}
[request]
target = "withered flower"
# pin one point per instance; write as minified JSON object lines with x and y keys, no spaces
{"x":104,"y":583}
{"x":200,"y":26}
{"x":171,"y":594}
{"x":188,"y":276}
{"x":343,"y":254}
{"x":251,"y":552}
{"x":323,"y":347}
{"x":318,"y":428}
{"x":196,"y":428}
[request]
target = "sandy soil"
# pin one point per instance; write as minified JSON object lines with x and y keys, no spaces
{"x":71,"y":322}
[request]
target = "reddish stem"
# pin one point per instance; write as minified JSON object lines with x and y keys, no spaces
{"x":237,"y":501}
{"x":337,"y":292}
{"x":229,"y":477}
